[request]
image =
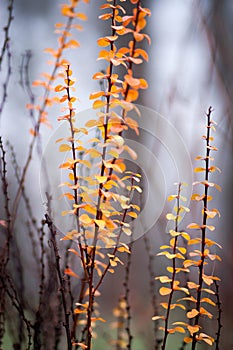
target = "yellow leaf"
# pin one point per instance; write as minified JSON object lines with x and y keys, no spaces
{"x":85,"y":162}
{"x":90,"y":209}
{"x":127,"y":231}
{"x":64,"y":148}
{"x":98,"y":104}
{"x":100,"y":223}
{"x":81,"y":16}
{"x":194,"y":241}
{"x":94,"y":153}
{"x":182,"y":250}
{"x":194,"y":226}
{"x":170,"y":269}
{"x":132,"y":214}
{"x":197,"y":197}
{"x":91,"y":123}
{"x":179,"y":329}
{"x":164,"y":279}
{"x":101,"y":179}
{"x":212,"y":213}
{"x":199,"y":169}
{"x":85,"y":219}
{"x":207,"y":300}
{"x":170,"y":216}
{"x":165,"y":291}
{"x":172,"y":197}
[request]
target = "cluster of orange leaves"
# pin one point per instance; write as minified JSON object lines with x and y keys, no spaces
{"x":95,"y":168}
{"x":198,"y":259}
{"x":110,"y":125}
{"x":66,"y":40}
{"x":87,"y":189}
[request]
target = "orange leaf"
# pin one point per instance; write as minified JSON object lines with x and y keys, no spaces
{"x":85,"y":219}
{"x":199,"y":169}
{"x":193,"y":329}
{"x":165,"y":291}
{"x":143,"y":84}
{"x":132,"y":95}
{"x":70,"y":272}
{"x":134,"y":82}
{"x":192,"y":313}
{"x":194,"y":226}
{"x":98,"y":104}
{"x":72,"y":43}
{"x":105,"y":41}
{"x":81,"y":16}
{"x":96,"y":94}
{"x":64,"y":148}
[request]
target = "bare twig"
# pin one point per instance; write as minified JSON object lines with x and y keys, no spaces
{"x":12,"y":294}
{"x":7,"y":80}
{"x":219,"y":318}
{"x":7,"y":30}
{"x":62,"y":289}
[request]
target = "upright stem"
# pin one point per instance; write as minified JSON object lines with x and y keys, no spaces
{"x":203,"y":228}
{"x":66,"y":324}
{"x":173,"y":273}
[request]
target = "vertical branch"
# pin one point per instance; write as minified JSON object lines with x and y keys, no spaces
{"x":203,"y":253}
{"x":39,"y":319}
{"x":12,"y":294}
{"x":5,"y":252}
{"x":7,"y":30}
{"x":152,"y":287}
{"x":26,"y":83}
{"x":203,"y":227}
{"x":219,"y":318}
{"x":126,"y":297}
{"x":61,"y":280}
{"x":69,"y":12}
{"x":7,"y":80}
{"x":174,"y":271}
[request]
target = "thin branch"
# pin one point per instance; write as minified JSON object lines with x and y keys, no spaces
{"x":152,"y":288}
{"x":219,"y":319}
{"x":7,"y":80}
{"x":7,"y":30}
{"x":126,"y":298}
{"x":62,"y":288}
{"x":12,"y":294}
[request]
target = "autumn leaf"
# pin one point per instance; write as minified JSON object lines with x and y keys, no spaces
{"x":192,"y":313}
{"x":64,"y":148}
{"x":165,"y":291}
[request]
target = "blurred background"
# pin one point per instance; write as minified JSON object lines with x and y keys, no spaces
{"x":190,"y":68}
